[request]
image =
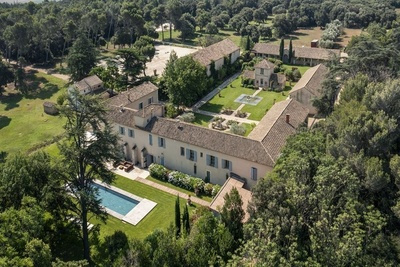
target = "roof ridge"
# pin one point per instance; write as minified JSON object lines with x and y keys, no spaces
{"x":276,"y":120}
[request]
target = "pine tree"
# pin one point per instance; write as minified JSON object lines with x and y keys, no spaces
{"x":185,"y":220}
{"x":177,"y":217}
{"x":290,"y":51}
{"x":281,"y":49}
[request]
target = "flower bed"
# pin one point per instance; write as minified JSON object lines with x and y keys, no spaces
{"x":182,"y":180}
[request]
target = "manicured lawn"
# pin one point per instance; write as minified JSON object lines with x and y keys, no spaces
{"x":227,"y":98}
{"x":23,"y":122}
{"x":206,"y":198}
{"x":302,"y":69}
{"x":201,"y":120}
{"x":249,"y":127}
{"x":159,"y":218}
{"x":258,"y":112}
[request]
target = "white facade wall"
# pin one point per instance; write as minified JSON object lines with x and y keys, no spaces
{"x":235,"y":56}
{"x":145,"y":100}
{"x":262,"y":79}
{"x":170,"y":156}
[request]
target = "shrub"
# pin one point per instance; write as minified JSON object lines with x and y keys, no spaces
{"x":158,"y":171}
{"x":215,"y":190}
{"x":237,"y":129}
{"x":296,"y":74}
{"x":172,"y":111}
{"x":208,"y":188}
{"x":187,"y":117}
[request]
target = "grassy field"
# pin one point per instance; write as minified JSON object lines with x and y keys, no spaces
{"x":257,"y":112}
{"x":227,"y":98}
{"x":201,"y":120}
{"x":23,"y":122}
{"x":206,"y":198}
{"x":159,"y":218}
{"x":304,"y":36}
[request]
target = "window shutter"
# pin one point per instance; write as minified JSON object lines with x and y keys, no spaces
{"x":208,"y":159}
{"x":165,"y":141}
{"x":230,"y":165}
{"x":216,"y":162}
{"x":195,"y":156}
{"x":223,"y":163}
{"x":150,"y":139}
{"x":187,"y":153}
{"x":159,"y":141}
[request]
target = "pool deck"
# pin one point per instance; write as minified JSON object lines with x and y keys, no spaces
{"x":135,"y":215}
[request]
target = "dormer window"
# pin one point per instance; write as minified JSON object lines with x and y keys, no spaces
{"x":140,"y":105}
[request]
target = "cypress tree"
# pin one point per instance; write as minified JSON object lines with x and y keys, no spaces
{"x":185,"y":220}
{"x":290,"y":51}
{"x":281,"y":49}
{"x":248,"y":43}
{"x":177,"y":217}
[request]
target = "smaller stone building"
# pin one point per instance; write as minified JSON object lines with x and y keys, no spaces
{"x":89,"y":85}
{"x":264,"y":76}
{"x":50,"y":108}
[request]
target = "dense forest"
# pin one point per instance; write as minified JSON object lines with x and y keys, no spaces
{"x":41,"y":32}
{"x":331,"y":200}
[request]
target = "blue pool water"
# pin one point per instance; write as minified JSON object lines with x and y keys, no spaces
{"x":114,"y":200}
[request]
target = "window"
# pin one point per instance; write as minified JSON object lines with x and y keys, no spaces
{"x":262,"y":81}
{"x":121,"y":130}
{"x":131,"y":133}
{"x":194,"y":169}
{"x":212,"y":161}
{"x":226,"y":164}
{"x":253,"y":173}
{"x":150,"y":139}
{"x":191,"y":155}
{"x":150,"y":100}
{"x":161,"y":142}
{"x":261,"y":71}
{"x":201,"y":154}
{"x":141,"y":105}
{"x":182,"y":151}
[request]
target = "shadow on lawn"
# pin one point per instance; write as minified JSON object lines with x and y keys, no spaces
{"x":4,"y":121}
{"x":215,"y":108}
{"x":39,"y":87}
{"x":11,"y":101}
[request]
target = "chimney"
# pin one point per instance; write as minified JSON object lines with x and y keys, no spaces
{"x":287,"y":118}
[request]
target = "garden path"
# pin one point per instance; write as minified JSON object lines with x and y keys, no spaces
{"x":173,"y":191}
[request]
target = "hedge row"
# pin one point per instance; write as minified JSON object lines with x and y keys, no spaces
{"x":182,"y":180}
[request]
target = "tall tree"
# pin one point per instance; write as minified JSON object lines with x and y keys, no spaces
{"x":290,"y":51}
{"x":177,"y":217}
{"x":134,"y":62}
{"x":281,"y":49}
{"x":186,"y":220}
{"x":6,"y":75}
{"x":232,"y":214}
{"x":84,"y":156}
{"x":185,"y":80}
{"x":81,"y":58}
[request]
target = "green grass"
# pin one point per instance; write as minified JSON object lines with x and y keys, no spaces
{"x":302,"y":69}
{"x":258,"y":111}
{"x":23,"y":122}
{"x":201,"y":120}
{"x":248,"y":128}
{"x":227,"y":98}
{"x":206,"y":198}
{"x":159,"y":218}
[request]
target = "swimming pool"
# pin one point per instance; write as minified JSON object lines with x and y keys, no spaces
{"x":115,"y":201}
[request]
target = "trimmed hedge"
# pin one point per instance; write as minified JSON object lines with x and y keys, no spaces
{"x":183,"y":180}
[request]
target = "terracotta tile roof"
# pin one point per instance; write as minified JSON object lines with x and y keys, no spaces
{"x":273,"y":130}
{"x":299,"y":52}
{"x":122,"y":116}
{"x":225,"y":143}
{"x":265,"y":64}
{"x":215,"y":52}
{"x":133,"y":94}
{"x":88,"y":82}
{"x":219,"y":201}
{"x":311,"y":80}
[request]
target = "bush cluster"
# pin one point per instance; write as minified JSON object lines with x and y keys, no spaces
{"x":182,"y":180}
